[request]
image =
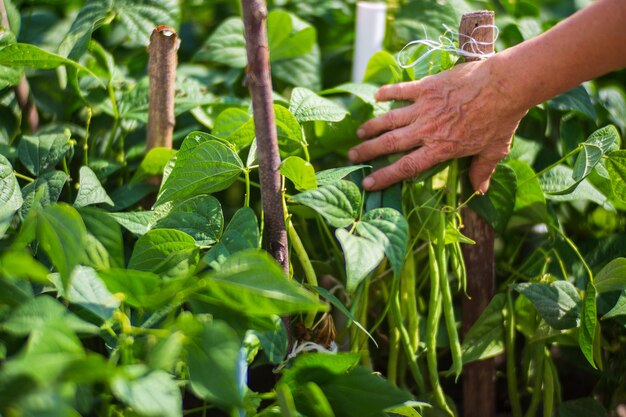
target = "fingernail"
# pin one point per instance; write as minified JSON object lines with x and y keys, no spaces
{"x":353,"y":155}
{"x":360,"y":133}
{"x":369,"y":182}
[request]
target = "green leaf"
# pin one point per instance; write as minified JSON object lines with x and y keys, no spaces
{"x":153,"y":164}
{"x":129,"y":194}
{"x":529,"y":198}
{"x":91,"y":16}
{"x":139,"y":18}
{"x":241,"y":233}
{"x":274,"y":341}
{"x":586,"y":161}
{"x":361,"y":255}
{"x":235,"y":125}
{"x":136,"y":222}
{"x":300,"y":172}
{"x":582,"y":407}
{"x":41,"y":153}
{"x":333,"y":175}
{"x":382,"y":69}
{"x":612,"y":277}
{"x":22,"y":265}
{"x":616,"y":166}
{"x":47,"y":187}
{"x":62,"y":234}
{"x":485,"y":339}
{"x":559,"y":178}
{"x":226,"y":45}
{"x":10,"y":194}
{"x":619,"y":309}
{"x":299,"y":71}
{"x":558,"y":303}
{"x":497,"y":205}
{"x":90,"y":190}
{"x":25,"y":55}
{"x":217,"y":366}
{"x":606,"y":138}
{"x":576,"y":99}
{"x":166,"y":252}
{"x":107,"y":231}
{"x":365,"y":92}
{"x":253,"y":283}
{"x":307,"y":106}
{"x":88,"y":291}
{"x":339,"y":203}
{"x":318,"y":367}
{"x":141,"y":289}
{"x":41,"y":311}
{"x":588,"y":324}
{"x":362,"y":393}
{"x":153,"y":394}
{"x":284,"y":42}
{"x":200,"y":217}
{"x":288,"y":130}
{"x":389,"y":228}
{"x":202,"y":169}
{"x":316,"y":400}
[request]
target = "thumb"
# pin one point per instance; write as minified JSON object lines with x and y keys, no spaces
{"x":480,"y":172}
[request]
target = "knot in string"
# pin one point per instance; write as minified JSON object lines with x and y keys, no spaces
{"x":469,"y":48}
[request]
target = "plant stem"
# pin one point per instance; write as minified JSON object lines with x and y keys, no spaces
{"x":307,"y":267}
{"x":258,"y":80}
{"x":24,"y":177}
{"x":539,"y":361}
{"x":511,"y":372}
{"x":246,"y":174}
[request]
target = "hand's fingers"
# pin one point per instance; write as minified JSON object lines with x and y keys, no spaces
{"x":393,"y":119}
{"x":480,"y":172}
{"x":397,"y":140}
{"x":406,"y":167}
{"x":401,"y":91}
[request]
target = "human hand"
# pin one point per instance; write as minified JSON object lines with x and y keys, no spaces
{"x":461,"y":112}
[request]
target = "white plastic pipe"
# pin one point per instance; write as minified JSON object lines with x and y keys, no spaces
{"x":370,"y":33}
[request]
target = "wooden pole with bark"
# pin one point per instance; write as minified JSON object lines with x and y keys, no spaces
{"x":163,"y":60}
{"x":259,"y":82}
{"x":478,"y":377}
{"x":22,"y":90}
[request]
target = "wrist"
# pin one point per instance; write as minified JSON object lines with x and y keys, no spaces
{"x":510,"y":87}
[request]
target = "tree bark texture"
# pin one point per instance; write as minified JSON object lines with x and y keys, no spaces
{"x":22,"y":90}
{"x":259,"y":82}
{"x":478,"y":377}
{"x":162,"y":63}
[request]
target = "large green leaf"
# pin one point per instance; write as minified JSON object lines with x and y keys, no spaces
{"x":300,"y":172}
{"x":235,"y":125}
{"x":226,"y":45}
{"x":151,"y":394}
{"x":339,"y":203}
{"x":241,"y":233}
{"x":586,"y":161}
{"x":288,"y":130}
{"x":10,"y":194}
{"x":559,"y":178}
{"x":200,"y":217}
{"x":389,"y":228}
{"x":485,"y":339}
{"x":284,"y":42}
{"x":136,"y":222}
{"x":62,"y":234}
{"x":619,"y":309}
{"x":25,"y":55}
{"x":153,"y":164}
{"x":582,"y":407}
{"x":90,"y":190}
{"x":91,"y":16}
{"x":39,"y":312}
{"x":308,"y":106}
{"x":217,"y":366}
{"x":253,"y":283}
{"x":529,"y":199}
{"x":612,"y":277}
{"x":88,"y":291}
{"x":141,"y":289}
{"x":47,"y":187}
{"x":140,"y":17}
{"x":497,"y":205}
{"x":107,"y":231}
{"x":202,"y":169}
{"x":165,"y":251}
{"x":558,"y":303}
{"x":588,"y":324}
{"x":576,"y":99}
{"x":382,"y":68}
{"x":41,"y":153}
{"x":616,"y":166}
{"x":333,"y":175}
{"x":362,"y":256}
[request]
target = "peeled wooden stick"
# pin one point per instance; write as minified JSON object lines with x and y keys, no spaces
{"x":259,"y":82}
{"x":163,"y":48}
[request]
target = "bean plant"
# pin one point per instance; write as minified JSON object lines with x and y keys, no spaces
{"x":133,"y":281}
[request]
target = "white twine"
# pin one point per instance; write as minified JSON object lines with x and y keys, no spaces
{"x":306,"y":347}
{"x":446,"y":43}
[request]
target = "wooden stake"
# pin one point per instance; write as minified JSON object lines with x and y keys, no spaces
{"x":162,"y":64}
{"x":478,"y":377}
{"x":259,"y":82}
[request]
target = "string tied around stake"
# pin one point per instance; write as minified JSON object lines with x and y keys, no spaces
{"x":469,"y":48}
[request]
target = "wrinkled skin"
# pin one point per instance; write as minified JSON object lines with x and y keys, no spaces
{"x":457,"y":113}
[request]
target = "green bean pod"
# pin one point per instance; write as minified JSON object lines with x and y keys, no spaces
{"x":409,"y":299}
{"x":432,"y":324}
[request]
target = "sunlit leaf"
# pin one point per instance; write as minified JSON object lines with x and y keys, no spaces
{"x":362,"y":256}
{"x":339,"y":203}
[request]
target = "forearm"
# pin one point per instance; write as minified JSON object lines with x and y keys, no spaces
{"x":587,"y":45}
